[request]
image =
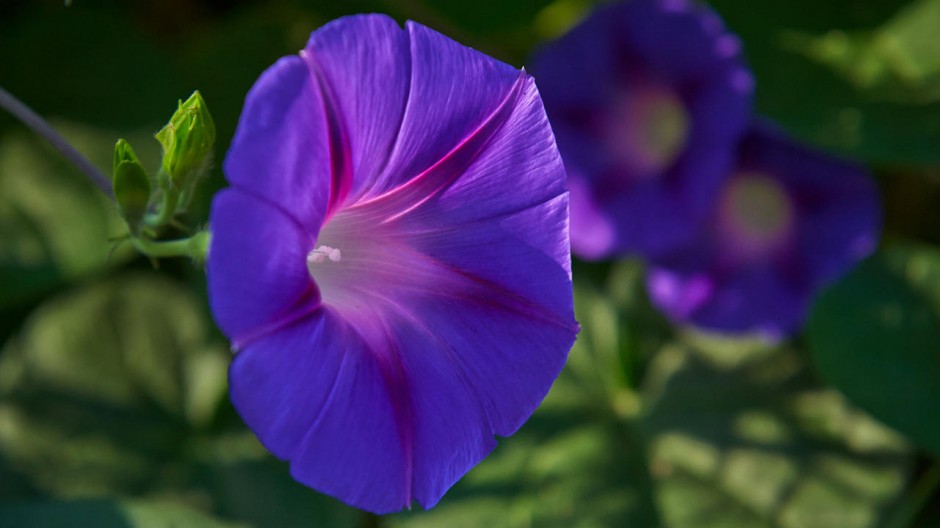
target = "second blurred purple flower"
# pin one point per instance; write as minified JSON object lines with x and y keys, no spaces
{"x":789,"y":221}
{"x":647,"y":99}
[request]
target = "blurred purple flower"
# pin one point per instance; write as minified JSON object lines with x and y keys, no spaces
{"x":647,"y":99}
{"x":391,"y":260}
{"x":789,"y":221}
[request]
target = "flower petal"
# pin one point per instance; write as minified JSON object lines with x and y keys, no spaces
{"x":446,"y":308}
{"x":453,"y":90}
{"x":473,"y":376}
{"x":522,"y":255}
{"x":280,"y":152}
{"x":691,"y":48}
{"x":751,"y":300}
{"x":257,"y":267}
{"x":315,"y":394}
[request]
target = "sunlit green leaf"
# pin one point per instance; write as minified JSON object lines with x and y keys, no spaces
{"x":900,"y":59}
{"x":753,"y":441}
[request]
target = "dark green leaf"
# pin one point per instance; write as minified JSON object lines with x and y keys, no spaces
{"x":102,"y":387}
{"x":103,"y":513}
{"x":876,"y":337}
{"x":54,"y":223}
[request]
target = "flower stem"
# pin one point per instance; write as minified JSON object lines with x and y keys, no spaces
{"x":195,"y":247}
{"x":166,"y":211}
{"x":39,"y":125}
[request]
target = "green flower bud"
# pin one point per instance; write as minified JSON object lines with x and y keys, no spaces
{"x":131,"y":185}
{"x":187,"y":142}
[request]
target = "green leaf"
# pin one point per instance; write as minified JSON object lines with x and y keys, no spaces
{"x":103,"y":385}
{"x":579,"y":461}
{"x":750,"y":440}
{"x":104,"y":513}
{"x":875,"y":336}
{"x":257,"y":489}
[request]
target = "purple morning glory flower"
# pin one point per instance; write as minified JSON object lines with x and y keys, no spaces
{"x":647,"y":99}
{"x":789,"y":221}
{"x":391,"y":260}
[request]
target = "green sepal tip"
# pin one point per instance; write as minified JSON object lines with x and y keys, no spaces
{"x":131,"y":185}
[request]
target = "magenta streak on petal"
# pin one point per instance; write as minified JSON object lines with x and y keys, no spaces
{"x":382,"y":347}
{"x":404,"y":198}
{"x":306,"y":305}
{"x":340,"y":156}
{"x":396,"y":382}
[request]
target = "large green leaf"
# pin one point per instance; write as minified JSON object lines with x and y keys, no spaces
{"x":745,"y":437}
{"x":876,"y":337}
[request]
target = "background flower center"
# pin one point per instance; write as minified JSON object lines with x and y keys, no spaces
{"x":756,"y":212}
{"x":647,"y":129}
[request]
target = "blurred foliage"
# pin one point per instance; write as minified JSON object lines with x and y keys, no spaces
{"x":112,"y":378}
{"x":750,"y":438}
{"x":815,"y":100}
{"x":876,"y":337}
{"x":898,"y":59}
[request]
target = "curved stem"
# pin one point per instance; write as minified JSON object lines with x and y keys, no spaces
{"x":166,"y":211}
{"x":194,"y":247}
{"x":39,"y":125}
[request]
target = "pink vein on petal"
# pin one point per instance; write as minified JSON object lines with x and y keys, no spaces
{"x":406,"y":197}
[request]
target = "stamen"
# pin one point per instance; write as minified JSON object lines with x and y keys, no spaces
{"x":322,"y":253}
